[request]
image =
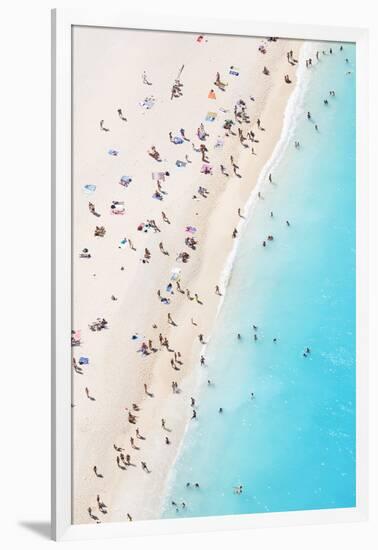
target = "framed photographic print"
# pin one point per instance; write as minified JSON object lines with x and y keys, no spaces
{"x":210,"y":274}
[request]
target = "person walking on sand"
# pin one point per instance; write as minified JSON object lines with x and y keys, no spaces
{"x":96,"y":472}
{"x":192,"y":402}
{"x":234,"y":233}
{"x":154,"y":154}
{"x":171,"y":321}
{"x":103,"y":127}
{"x":146,"y":391}
{"x":223,"y":170}
{"x":139,"y":436}
{"x":194,"y":414}
{"x":202,"y":360}
{"x":120,"y":114}
{"x":145,"y":468}
{"x":217,"y":290}
{"x":165,"y":218}
{"x":145,"y":79}
{"x":167,"y":441}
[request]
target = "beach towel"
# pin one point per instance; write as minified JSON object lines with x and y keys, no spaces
{"x":113,"y":153}
{"x":117,"y":208}
{"x":148,"y":102}
{"x":191,"y":229}
{"x":123,"y":243}
{"x":234,"y":70}
{"x":89,"y":188}
{"x":125,"y":181}
{"x":84,"y":361}
{"x":175,"y":274}
{"x":177,"y":140}
{"x":180,"y":164}
{"x":210,"y":117}
{"x":158,"y":176}
{"x":206,"y":169}
{"x":219,"y":144}
{"x":212,"y":95}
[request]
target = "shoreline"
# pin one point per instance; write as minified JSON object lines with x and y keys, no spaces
{"x":195,"y":464}
{"x":289,"y":122}
{"x":142,"y":496}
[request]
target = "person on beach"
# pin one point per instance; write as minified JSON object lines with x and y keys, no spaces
{"x":145,"y":79}
{"x":217,"y":291}
{"x":202,"y":360}
{"x":171,"y":321}
{"x":145,"y":468}
{"x":102,"y":127}
{"x":234,"y":233}
{"x":194,"y":414}
{"x":88,"y":395}
{"x":165,"y":218}
{"x":167,"y":441}
{"x":92,"y":516}
{"x":192,"y":402}
{"x":197,"y":299}
{"x":139,"y":436}
{"x":96,"y":472}
{"x":146,"y":391}
{"x":154,"y":153}
{"x":223,"y":170}
{"x":121,"y":116}
{"x":221,"y":85}
{"x":92,"y":210}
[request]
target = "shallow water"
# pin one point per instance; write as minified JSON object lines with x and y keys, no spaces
{"x":291,"y":446}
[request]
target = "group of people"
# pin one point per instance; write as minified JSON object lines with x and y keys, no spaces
{"x":246,"y":136}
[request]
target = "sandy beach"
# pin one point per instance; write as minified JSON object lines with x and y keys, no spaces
{"x":108,"y":68}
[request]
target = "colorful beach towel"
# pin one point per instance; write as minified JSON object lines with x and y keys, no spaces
{"x":148,"y":102}
{"x":89,"y":188}
{"x":234,"y":70}
{"x":125,"y":181}
{"x":123,"y":243}
{"x":210,"y":117}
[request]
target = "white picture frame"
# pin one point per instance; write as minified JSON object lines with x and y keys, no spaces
{"x":62,"y":22}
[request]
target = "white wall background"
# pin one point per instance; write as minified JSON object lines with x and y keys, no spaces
{"x":25,"y":272}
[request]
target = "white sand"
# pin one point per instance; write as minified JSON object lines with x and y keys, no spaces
{"x":107,"y":75}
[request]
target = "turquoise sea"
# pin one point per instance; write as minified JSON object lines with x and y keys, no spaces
{"x":292,"y":445}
